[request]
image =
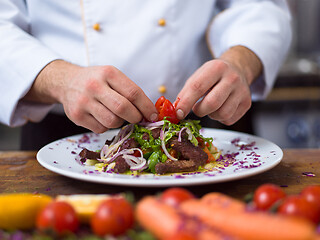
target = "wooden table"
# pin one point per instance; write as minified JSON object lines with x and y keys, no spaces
{"x":20,"y":172}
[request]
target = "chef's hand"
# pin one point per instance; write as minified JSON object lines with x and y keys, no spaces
{"x":222,"y":86}
{"x":97,"y":98}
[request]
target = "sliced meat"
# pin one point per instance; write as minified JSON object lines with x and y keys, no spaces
{"x":129,"y":143}
{"x":156,"y":133}
{"x":108,"y":142}
{"x":188,"y":151}
{"x":87,"y":154}
{"x":193,"y":157}
{"x":184,"y":134}
{"x":176,"y":166}
{"x":145,"y":136}
{"x":121,"y":165}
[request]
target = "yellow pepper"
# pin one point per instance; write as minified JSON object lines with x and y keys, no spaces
{"x":19,"y":210}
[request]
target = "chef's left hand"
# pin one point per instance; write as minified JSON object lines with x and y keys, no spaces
{"x":220,"y":87}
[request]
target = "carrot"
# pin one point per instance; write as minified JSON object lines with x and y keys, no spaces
{"x":164,"y":221}
{"x":220,"y":200}
{"x":210,"y":156}
{"x":150,"y":213}
{"x":247,"y":225}
{"x":209,"y":234}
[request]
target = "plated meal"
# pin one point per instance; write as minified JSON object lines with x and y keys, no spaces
{"x":161,"y":147}
{"x":162,"y":153}
{"x":166,"y":146}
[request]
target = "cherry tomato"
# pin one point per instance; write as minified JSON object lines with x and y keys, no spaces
{"x":59,"y":217}
{"x":200,"y":142}
{"x":175,"y":196}
{"x":176,"y":102}
{"x":300,"y":207}
{"x":312,"y":194}
{"x":114,"y":217}
{"x":159,"y":103}
{"x":266,"y":195}
{"x":166,"y":109}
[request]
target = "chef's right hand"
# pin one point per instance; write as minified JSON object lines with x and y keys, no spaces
{"x":97,"y":98}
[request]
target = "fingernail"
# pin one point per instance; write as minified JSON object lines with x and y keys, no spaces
{"x":180,"y":114}
{"x":153,"y":117}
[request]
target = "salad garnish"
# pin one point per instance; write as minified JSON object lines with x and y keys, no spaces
{"x":161,"y":147}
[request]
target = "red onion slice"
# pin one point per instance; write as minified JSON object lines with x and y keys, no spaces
{"x":163,"y":145}
{"x":110,"y":151}
{"x":190,"y":135}
{"x":140,"y":167}
{"x":135,"y":163}
{"x":180,"y":133}
{"x":162,"y":134}
{"x":152,"y":124}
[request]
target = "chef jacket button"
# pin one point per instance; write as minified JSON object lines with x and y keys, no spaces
{"x":162,"y":89}
{"x":162,"y":22}
{"x":96,"y":26}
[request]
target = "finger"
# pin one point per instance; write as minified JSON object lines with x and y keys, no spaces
{"x":213,"y":100}
{"x":232,"y":110}
{"x":128,"y":89}
{"x":196,"y":87}
{"x":239,"y":113}
{"x":120,"y":106}
{"x":77,"y":113}
{"x":226,"y":111}
{"x":101,"y":92}
{"x":105,"y":117}
{"x":89,"y":122}
{"x":235,"y":107}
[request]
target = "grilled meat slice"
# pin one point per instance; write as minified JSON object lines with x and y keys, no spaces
{"x":129,"y":143}
{"x":87,"y":154}
{"x":188,"y":151}
{"x":193,"y":157}
{"x":176,"y":166}
{"x":121,"y":165}
{"x":108,"y":142}
{"x":156,"y":133}
{"x":145,"y":136}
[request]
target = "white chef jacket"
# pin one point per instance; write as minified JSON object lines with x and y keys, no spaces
{"x":155,"y":43}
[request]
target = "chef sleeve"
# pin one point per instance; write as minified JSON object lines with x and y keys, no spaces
{"x":22,"y":58}
{"x":263,"y":27}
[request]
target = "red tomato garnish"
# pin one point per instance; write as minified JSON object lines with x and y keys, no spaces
{"x":175,"y":196}
{"x":159,"y":103}
{"x":312,"y":194}
{"x":266,"y":195}
{"x":176,"y":102}
{"x":114,"y":217}
{"x":166,"y":109}
{"x":200,"y":142}
{"x":59,"y":217}
{"x":300,"y":207}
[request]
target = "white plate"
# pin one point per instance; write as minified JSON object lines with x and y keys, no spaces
{"x":254,"y":155}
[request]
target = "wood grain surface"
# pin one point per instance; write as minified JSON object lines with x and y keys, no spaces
{"x":20,"y":172}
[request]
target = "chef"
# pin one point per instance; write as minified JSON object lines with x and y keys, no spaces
{"x":100,"y":63}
